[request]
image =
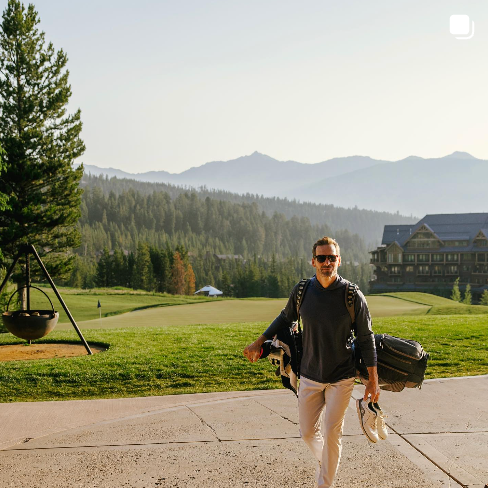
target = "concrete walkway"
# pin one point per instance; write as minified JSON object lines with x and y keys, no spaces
{"x":438,"y":438}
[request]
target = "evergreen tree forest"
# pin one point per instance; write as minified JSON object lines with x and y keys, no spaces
{"x":174,"y":243}
{"x":366,"y":223}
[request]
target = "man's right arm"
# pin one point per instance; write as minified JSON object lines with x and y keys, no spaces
{"x":287,"y":316}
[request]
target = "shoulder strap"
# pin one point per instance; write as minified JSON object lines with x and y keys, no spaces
{"x":351,"y":292}
{"x":302,"y":286}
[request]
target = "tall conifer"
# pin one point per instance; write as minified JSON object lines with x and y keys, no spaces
{"x":41,"y":141}
{"x":178,"y":275}
{"x":456,"y":294}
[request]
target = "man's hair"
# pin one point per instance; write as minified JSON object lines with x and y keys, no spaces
{"x":326,"y":241}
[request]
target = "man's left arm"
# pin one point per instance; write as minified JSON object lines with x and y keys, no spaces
{"x":365,"y":337}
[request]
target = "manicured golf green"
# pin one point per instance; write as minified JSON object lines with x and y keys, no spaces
{"x":218,"y":311}
{"x":83,"y":304}
{"x":127,"y":308}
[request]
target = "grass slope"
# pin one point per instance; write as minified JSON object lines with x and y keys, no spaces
{"x":438,"y":305}
{"x":204,"y":358}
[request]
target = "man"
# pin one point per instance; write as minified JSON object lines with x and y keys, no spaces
{"x":327,"y":370}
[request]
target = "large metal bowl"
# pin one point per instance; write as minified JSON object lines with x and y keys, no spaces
{"x":30,"y":325}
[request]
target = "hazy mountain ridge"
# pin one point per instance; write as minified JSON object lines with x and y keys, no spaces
{"x":418,"y":186}
{"x":256,"y":173}
{"x":412,"y":186}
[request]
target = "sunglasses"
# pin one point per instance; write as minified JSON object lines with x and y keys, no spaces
{"x":321,"y":258}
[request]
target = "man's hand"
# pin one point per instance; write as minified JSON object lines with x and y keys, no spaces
{"x":372,"y":388}
{"x":253,"y":351}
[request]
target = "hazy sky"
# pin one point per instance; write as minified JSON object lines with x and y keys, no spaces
{"x":167,"y":85}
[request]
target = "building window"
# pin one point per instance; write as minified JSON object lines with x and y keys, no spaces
{"x":395,"y":270}
{"x":423,"y":270}
{"x":437,"y":258}
{"x":423,"y":258}
{"x":409,"y":269}
{"x":466,"y":268}
{"x":468,"y":257}
{"x":395,"y":279}
{"x":423,"y":244}
{"x":409,"y":258}
{"x":437,"y":270}
{"x":481,"y":258}
{"x":394,"y":257}
{"x":452,"y":258}
{"x":482,"y":242}
{"x":456,"y":243}
{"x":452,"y":270}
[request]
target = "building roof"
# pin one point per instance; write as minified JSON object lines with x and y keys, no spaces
{"x":447,"y":227}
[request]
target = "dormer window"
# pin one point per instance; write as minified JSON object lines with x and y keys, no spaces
{"x":424,"y":238}
{"x":481,"y":239}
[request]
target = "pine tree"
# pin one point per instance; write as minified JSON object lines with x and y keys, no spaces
{"x":40,"y":140}
{"x":484,"y":298}
{"x":119,"y":268}
{"x":272,"y":282}
{"x":3,"y":198}
{"x":226,"y":285}
{"x":143,"y":277}
{"x":467,"y":295}
{"x":103,"y":275}
{"x":177,"y":275}
{"x":456,"y":294}
{"x":189,"y":280}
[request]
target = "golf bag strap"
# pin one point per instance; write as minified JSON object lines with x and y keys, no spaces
{"x":302,"y":287}
{"x":351,"y":292}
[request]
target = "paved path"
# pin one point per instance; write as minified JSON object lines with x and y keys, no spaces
{"x":438,"y":438}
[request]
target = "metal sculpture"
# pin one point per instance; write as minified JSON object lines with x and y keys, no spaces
{"x":33,"y":324}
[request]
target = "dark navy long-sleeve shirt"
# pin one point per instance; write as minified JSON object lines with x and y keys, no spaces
{"x":327,"y":328}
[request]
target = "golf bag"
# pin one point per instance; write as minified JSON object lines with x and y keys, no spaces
{"x":400,"y":363}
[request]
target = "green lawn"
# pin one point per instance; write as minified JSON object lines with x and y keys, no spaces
{"x":83,"y":304}
{"x":214,"y":311}
{"x":197,"y":347}
{"x":218,"y":311}
{"x":204,"y":358}
{"x":437,"y":305}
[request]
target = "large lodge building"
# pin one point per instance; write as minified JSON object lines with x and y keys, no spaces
{"x":429,"y":255}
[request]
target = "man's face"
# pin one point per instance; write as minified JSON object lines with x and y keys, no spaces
{"x":326,"y":269}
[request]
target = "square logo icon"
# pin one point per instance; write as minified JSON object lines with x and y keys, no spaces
{"x":459,"y":25}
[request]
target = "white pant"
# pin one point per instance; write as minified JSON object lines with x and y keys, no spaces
{"x":324,"y":437}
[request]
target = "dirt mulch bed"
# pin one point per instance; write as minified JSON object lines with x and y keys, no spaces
{"x":18,"y":352}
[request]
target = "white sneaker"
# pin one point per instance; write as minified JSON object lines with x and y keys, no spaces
{"x":367,"y":420}
{"x":380,"y":422}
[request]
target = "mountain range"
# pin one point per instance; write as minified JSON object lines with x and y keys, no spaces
{"x":413,"y":186}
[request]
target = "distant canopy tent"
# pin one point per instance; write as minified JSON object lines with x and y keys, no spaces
{"x":209,"y":291}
